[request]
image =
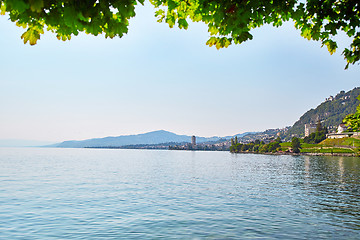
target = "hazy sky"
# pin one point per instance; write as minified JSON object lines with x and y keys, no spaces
{"x":160,"y":78}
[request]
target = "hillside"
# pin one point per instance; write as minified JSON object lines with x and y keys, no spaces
{"x":330,"y":112}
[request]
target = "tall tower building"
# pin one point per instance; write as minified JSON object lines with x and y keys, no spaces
{"x":193,"y":140}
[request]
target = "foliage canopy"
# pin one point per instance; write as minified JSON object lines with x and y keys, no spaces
{"x":228,"y":21}
{"x":353,"y":120}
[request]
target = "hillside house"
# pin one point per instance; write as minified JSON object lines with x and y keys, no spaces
{"x":342,"y":128}
{"x":309,"y":129}
{"x":341,"y":132}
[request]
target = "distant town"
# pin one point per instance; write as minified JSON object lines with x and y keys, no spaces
{"x":332,"y":127}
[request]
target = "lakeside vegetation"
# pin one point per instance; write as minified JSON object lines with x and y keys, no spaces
{"x":316,"y":143}
{"x":340,"y":145}
{"x":347,"y":145}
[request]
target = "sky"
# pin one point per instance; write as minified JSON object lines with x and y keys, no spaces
{"x":160,"y":78}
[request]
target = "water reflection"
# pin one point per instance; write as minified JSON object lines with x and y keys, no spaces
{"x":316,"y":189}
{"x":332,"y":187}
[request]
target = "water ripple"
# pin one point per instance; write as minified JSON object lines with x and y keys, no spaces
{"x":131,"y":194}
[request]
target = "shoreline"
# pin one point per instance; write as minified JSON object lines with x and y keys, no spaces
{"x":263,"y":153}
{"x":302,"y":154}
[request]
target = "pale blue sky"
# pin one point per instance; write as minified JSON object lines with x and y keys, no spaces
{"x":160,"y":78}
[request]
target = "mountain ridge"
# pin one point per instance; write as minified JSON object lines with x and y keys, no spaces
{"x":153,"y":137}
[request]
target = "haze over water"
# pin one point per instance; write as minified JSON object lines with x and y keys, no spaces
{"x":145,"y":194}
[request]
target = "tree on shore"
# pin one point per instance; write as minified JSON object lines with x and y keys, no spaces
{"x":295,"y":144}
{"x":228,"y":21}
{"x":255,"y":147}
{"x":271,"y":147}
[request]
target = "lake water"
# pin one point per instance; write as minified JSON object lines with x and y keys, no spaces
{"x":149,"y":194}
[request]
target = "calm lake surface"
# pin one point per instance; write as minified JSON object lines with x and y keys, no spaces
{"x":149,"y":194}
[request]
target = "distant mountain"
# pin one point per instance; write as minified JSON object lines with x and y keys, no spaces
{"x":331,"y":112}
{"x":154,"y":137}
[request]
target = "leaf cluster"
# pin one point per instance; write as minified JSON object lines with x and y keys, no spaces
{"x":232,"y":21}
{"x":227,"y":21}
{"x":69,"y":17}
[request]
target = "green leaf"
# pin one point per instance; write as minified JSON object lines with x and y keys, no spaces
{"x":36,"y":5}
{"x":31,"y":36}
{"x":19,"y":5}
{"x":63,"y":37}
{"x":69,"y":17}
{"x":172,"y":4}
{"x":19,"y":24}
{"x":183,"y":23}
{"x":82,"y":18}
{"x":331,"y":46}
{"x":160,"y":14}
{"x":170,"y":19}
{"x":2,"y":9}
{"x":306,"y":33}
{"x":211,"y":42}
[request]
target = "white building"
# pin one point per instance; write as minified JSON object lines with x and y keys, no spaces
{"x":341,"y":128}
{"x":309,"y":129}
{"x":341,"y":132}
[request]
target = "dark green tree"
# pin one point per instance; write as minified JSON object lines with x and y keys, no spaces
{"x":273,"y":146}
{"x":295,"y":144}
{"x":244,"y":148}
{"x":264,"y":148}
{"x":232,"y":148}
{"x":238,"y":147}
{"x":319,"y":127}
{"x":228,"y":21}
